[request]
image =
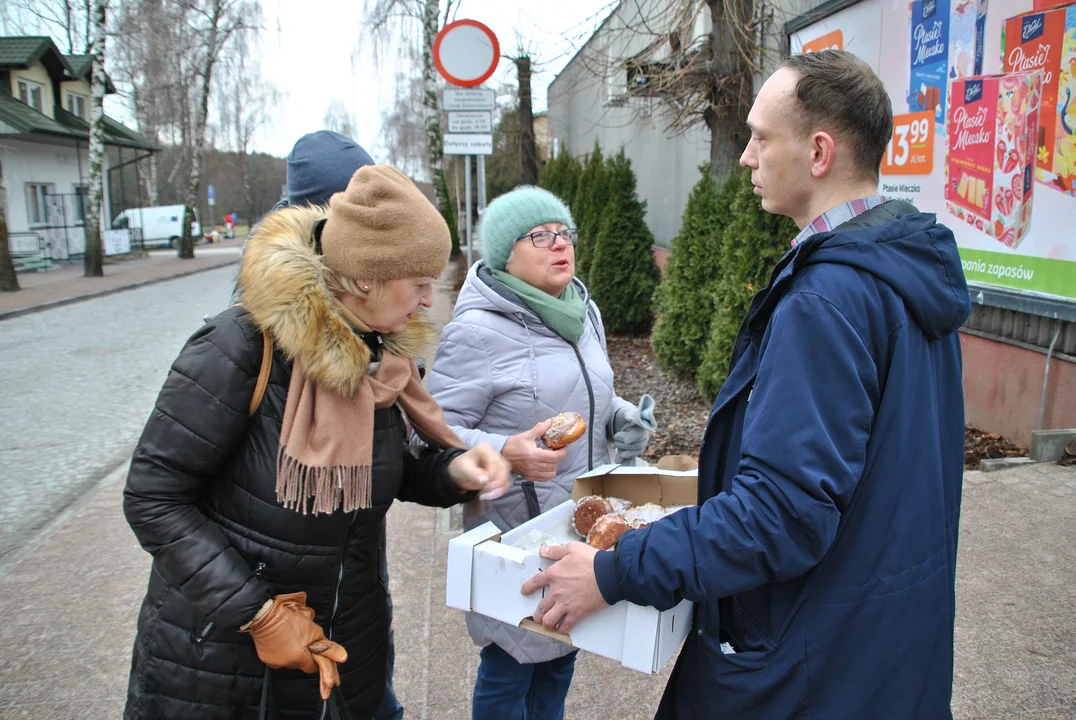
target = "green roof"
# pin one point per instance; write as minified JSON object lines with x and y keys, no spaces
{"x":30,"y":122}
{"x":80,"y":69}
{"x":24,"y":51}
{"x":80,"y":64}
{"x":25,"y":119}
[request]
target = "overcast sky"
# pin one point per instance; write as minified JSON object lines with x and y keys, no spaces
{"x":307,"y":51}
{"x":308,"y":46}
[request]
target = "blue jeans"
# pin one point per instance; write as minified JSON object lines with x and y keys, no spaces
{"x":390,"y":709}
{"x":509,"y":690}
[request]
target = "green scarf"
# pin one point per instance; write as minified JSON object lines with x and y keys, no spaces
{"x":565,"y":315}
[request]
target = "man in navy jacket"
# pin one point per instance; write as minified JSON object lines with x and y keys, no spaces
{"x":822,"y":553}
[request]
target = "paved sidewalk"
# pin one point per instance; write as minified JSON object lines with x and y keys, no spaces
{"x":70,"y":610}
{"x":66,"y":284}
{"x":70,"y":606}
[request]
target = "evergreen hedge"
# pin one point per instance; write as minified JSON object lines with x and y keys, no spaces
{"x":752,"y":243}
{"x":623,"y":274}
{"x":684,"y":302}
{"x":591,"y":196}
{"x":560,"y":176}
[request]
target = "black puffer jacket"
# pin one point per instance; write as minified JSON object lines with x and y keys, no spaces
{"x":201,"y":499}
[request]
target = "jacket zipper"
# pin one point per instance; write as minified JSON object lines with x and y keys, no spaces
{"x":336,"y":595}
{"x":590,"y":394}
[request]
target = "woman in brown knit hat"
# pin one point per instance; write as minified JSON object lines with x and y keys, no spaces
{"x":277,"y":444}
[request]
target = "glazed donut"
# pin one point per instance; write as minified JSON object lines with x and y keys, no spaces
{"x":645,"y":514}
{"x":606,"y":530}
{"x":567,"y":427}
{"x":619,"y":505}
{"x":587,"y":512}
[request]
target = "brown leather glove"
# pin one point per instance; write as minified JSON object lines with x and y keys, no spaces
{"x":287,"y":637}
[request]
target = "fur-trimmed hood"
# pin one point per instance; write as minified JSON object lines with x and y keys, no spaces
{"x":283,"y":289}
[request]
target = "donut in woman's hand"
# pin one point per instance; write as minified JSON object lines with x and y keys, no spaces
{"x":587,"y":512}
{"x":567,"y":427}
{"x":606,"y":530}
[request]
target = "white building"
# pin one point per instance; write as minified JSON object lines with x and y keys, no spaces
{"x":590,"y":101}
{"x":44,"y":146}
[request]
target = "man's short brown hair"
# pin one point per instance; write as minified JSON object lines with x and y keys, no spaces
{"x":839,"y":93}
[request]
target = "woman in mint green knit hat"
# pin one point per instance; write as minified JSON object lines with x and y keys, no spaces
{"x":525,"y":343}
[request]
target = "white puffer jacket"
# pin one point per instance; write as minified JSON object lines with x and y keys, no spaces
{"x":499,"y":371}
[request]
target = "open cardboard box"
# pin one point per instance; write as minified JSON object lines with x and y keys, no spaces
{"x":486,"y":571}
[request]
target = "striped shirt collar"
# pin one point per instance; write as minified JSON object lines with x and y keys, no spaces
{"x":837,"y":216}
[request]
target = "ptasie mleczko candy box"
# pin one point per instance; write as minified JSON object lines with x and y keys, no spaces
{"x":945,"y":42}
{"x":1046,"y":41}
{"x":990,"y":153}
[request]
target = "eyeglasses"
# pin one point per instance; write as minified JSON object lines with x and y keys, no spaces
{"x":546,"y":238}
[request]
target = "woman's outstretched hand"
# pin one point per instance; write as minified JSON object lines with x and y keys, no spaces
{"x":484,"y":469}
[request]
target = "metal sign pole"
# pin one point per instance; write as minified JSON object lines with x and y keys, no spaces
{"x":481,"y":186}
{"x":467,"y":205}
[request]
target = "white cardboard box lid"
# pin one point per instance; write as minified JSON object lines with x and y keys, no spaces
{"x":487,"y":581}
{"x":460,"y":563}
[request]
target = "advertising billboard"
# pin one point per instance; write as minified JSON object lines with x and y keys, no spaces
{"x":984,"y":104}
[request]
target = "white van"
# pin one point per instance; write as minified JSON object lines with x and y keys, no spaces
{"x":161,"y":226}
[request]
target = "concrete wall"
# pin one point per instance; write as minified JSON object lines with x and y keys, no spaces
{"x":586,"y":104}
{"x":1003,"y":388}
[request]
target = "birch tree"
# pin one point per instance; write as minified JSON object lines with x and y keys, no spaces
{"x":9,"y":281}
{"x":70,"y":21}
{"x":391,"y":19}
{"x":147,"y":71}
{"x":213,"y":23}
{"x":93,"y":260}
{"x":245,"y":99}
{"x":403,"y":128}
{"x":338,"y":119}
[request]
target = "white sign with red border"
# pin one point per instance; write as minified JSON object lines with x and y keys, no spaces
{"x":466,"y":53}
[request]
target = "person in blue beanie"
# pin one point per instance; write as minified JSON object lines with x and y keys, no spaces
{"x":821,"y":556}
{"x":320,"y":165}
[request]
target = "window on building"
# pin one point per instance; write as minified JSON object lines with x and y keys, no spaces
{"x":35,"y":201}
{"x":82,"y":196}
{"x":77,"y":105}
{"x":32,"y":93}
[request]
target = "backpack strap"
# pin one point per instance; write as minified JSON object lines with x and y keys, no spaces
{"x":263,"y":373}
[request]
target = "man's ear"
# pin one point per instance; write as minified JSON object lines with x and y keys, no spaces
{"x":823,"y":154}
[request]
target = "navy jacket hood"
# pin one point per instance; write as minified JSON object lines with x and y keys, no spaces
{"x":912,"y":254}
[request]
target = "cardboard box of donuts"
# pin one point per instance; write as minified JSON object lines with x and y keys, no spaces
{"x":486,"y":567}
